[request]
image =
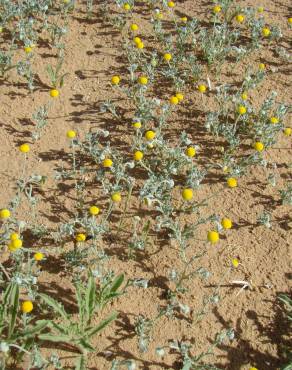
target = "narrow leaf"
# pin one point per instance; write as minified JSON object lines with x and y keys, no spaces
{"x":92,"y":331}
{"x":58,"y":307}
{"x":14,"y":298}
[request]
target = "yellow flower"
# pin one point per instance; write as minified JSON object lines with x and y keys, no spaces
{"x":179,"y":96}
{"x":190,"y":151}
{"x":239,"y":18}
{"x":260,"y":9}
{"x":71,"y":134}
{"x":140,"y":45}
{"x":225,"y":169}
{"x":127,"y":6}
{"x":171,"y":4}
{"x":287,"y":131}
{"x":244,"y":96}
{"x":258,"y":146}
{"x":241,"y":109}
{"x":202,"y":88}
{"x":266,"y":32}
{"x":167,"y":57}
{"x":54,"y":93}
{"x":138,"y":155}
{"x":24,"y":148}
{"x":150,"y":135}
{"x":187,"y":194}
{"x":38,"y":256}
{"x":290,"y":20}
{"x":93,"y":210}
{"x":80,"y":237}
{"x":16,"y":244}
{"x":137,"y":124}
{"x":137,"y":40}
{"x":226,"y":223}
{"x":213,"y":237}
{"x":232,"y":182}
{"x":107,"y":162}
{"x":184,"y":19}
{"x":274,"y":120}
{"x":262,"y":66}
{"x":134,"y":27}
{"x":115,"y":80}
{"x":26,"y":307}
{"x":143,"y":80}
{"x":28,"y":49}
{"x":235,"y":262}
{"x":116,"y":197}
{"x":4,"y":213}
{"x":159,"y":16}
{"x":217,"y":9}
{"x":14,"y":236}
{"x":253,"y":368}
{"x":173,"y":100}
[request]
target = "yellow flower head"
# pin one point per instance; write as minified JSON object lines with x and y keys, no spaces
{"x":190,"y":151}
{"x":28,"y":49}
{"x":4,"y":213}
{"x":137,"y":124}
{"x":290,"y":20}
{"x":167,"y":57}
{"x":150,"y":135}
{"x":202,"y":88}
{"x":217,"y":9}
{"x":244,"y":96}
{"x":287,"y":131}
{"x":258,"y":146}
{"x":179,"y":96}
{"x":232,"y":182}
{"x":14,"y":236}
{"x":240,"y":18}
{"x":93,"y":210}
{"x":54,"y":93}
{"x":71,"y":134}
{"x":260,"y":9}
{"x":116,"y":197}
{"x":80,"y":237}
{"x":171,"y":4}
{"x":184,"y":19}
{"x":140,"y":45}
{"x":213,"y":237}
{"x":137,"y":40}
{"x":262,"y":66}
{"x":38,"y":256}
{"x":24,"y":148}
{"x":173,"y":100}
{"x":16,"y":244}
{"x":115,"y":80}
{"x":143,"y":80}
{"x":253,"y":368}
{"x":26,"y":307}
{"x":138,"y":155}
{"x":226,"y":223}
{"x":235,"y":262}
{"x":274,"y":120}
{"x":266,"y":32}
{"x":134,"y":27}
{"x":187,"y":194}
{"x":127,"y":6}
{"x":107,"y":162}
{"x":241,"y":109}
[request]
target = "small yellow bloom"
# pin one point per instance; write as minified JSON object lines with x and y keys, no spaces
{"x":235,"y":262}
{"x":244,"y":96}
{"x":140,"y":45}
{"x":266,"y":32}
{"x":171,"y":4}
{"x":253,"y":368}
{"x":173,"y":100}
{"x":54,"y":93}
{"x":134,"y":27}
{"x":127,"y":6}
{"x":28,"y":49}
{"x":262,"y":66}
{"x":38,"y":256}
{"x":241,"y":109}
{"x":225,"y":169}
{"x":213,"y":237}
{"x":16,"y":244}
{"x":137,"y":40}
{"x":143,"y":80}
{"x":94,"y":211}
{"x":190,"y":151}
{"x":217,"y":9}
{"x":226,"y":223}
{"x":138,"y":155}
{"x":260,"y":9}
{"x":232,"y":182}
{"x":4,"y":213}
{"x":239,"y":18}
{"x":179,"y":96}
{"x":290,"y":20}
{"x":137,"y":124}
{"x":184,"y":19}
{"x":287,"y":131}
{"x":274,"y":120}
{"x":116,"y":197}
{"x":107,"y":162}
{"x":150,"y":135}
{"x":159,"y":16}
{"x":80,"y":237}
{"x":167,"y":57}
{"x":187,"y":194}
{"x":258,"y":146}
{"x":24,"y":148}
{"x":26,"y":307}
{"x":14,"y":236}
{"x":202,"y":88}
{"x":115,"y":80}
{"x":71,"y":134}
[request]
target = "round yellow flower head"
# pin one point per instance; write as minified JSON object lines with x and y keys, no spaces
{"x":134,"y":27}
{"x":190,"y":151}
{"x":137,"y":124}
{"x":38,"y":256}
{"x":54,"y":93}
{"x":150,"y":135}
{"x":240,"y":18}
{"x":4,"y":213}
{"x":16,"y":244}
{"x":26,"y":307}
{"x":179,"y":96}
{"x":140,"y":45}
{"x":253,"y":368}
{"x":217,"y":9}
{"x":167,"y":57}
{"x":274,"y":120}
{"x":287,"y":131}
{"x":226,"y":223}
{"x":258,"y":146}
{"x":241,"y":109}
{"x":171,"y":4}
{"x":143,"y":80}
{"x":213,"y":237}
{"x":115,"y":80}
{"x":107,"y":162}
{"x":232,"y":182}
{"x":262,"y":66}
{"x":260,"y":9}
{"x":290,"y":20}
{"x":137,"y":40}
{"x":266,"y":32}
{"x":235,"y":262}
{"x":187,"y":194}
{"x":244,"y":96}
{"x":138,"y":155}
{"x":28,"y":49}
{"x":202,"y":88}
{"x":184,"y":19}
{"x":24,"y":148}
{"x":71,"y":134}
{"x":14,"y":236}
{"x":127,"y":6}
{"x":80,"y":237}
{"x":93,"y":210}
{"x":116,"y":197}
{"x":173,"y":100}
